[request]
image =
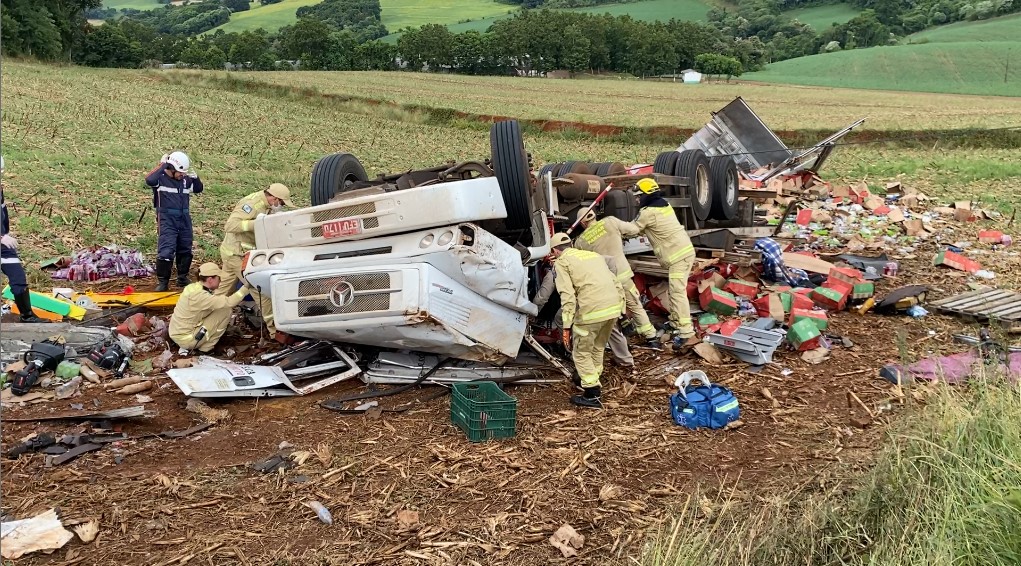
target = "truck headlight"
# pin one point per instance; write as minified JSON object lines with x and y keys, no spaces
{"x":445,"y":238}
{"x":426,"y":241}
{"x":257,"y":260}
{"x":276,"y":258}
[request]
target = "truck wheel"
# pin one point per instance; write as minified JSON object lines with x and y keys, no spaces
{"x":665,"y":164}
{"x":609,"y":169}
{"x":574,"y":167}
{"x":334,"y":174}
{"x":510,"y":163}
{"x":725,"y":184}
{"x":694,"y":165}
{"x":550,"y":167}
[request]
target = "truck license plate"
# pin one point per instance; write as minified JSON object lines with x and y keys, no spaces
{"x":338,"y":228}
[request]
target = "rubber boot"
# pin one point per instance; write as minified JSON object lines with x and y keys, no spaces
{"x":163,"y":269}
{"x":683,"y":345}
{"x":24,"y":303}
{"x":654,"y":344}
{"x":590,"y":398}
{"x":183,"y":267}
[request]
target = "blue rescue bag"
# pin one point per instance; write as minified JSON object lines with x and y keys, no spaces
{"x":702,"y":406}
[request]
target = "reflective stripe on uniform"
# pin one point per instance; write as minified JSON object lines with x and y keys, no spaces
{"x":601,"y":313}
{"x":246,"y":225}
{"x":174,"y":190}
{"x":625,"y":275}
{"x":681,"y":253}
{"x":10,"y":260}
{"x":678,"y":276}
{"x":645,"y":329}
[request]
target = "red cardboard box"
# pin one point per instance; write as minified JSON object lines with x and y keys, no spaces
{"x":863,"y":290}
{"x":848,"y":275}
{"x":717,"y":301}
{"x":730,"y":327}
{"x":990,"y":236}
{"x":741,"y":288}
{"x":770,"y":306}
{"x":818,"y":317}
{"x":804,"y":217}
{"x":956,"y":261}
{"x":801,"y":300}
{"x":804,"y":335}
{"x":830,"y":298}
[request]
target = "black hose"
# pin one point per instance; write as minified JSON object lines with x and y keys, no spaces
{"x":387,"y":392}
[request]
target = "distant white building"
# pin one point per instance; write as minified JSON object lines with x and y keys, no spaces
{"x":691,"y":76}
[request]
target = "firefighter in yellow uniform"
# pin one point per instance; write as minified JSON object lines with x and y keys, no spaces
{"x":606,"y":237}
{"x":239,"y":239}
{"x":592,"y":300}
{"x":658,"y":222}
{"x":200,"y":317}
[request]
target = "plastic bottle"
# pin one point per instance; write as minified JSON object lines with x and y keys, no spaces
{"x":321,"y":511}
{"x":68,"y":389}
{"x":890,"y":269}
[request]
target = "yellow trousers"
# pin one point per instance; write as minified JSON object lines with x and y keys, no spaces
{"x":587,"y":344}
{"x":231,"y":276}
{"x":215,"y":323}
{"x":680,"y":312}
{"x":633,"y":304}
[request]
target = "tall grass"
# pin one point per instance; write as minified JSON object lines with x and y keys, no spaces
{"x":947,"y":490}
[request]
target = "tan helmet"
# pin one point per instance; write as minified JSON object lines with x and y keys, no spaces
{"x":210,"y":269}
{"x":559,"y":239}
{"x":590,"y":216}
{"x":280,"y":191}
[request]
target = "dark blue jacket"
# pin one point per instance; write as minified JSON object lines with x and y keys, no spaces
{"x":169,"y":193}
{"x":4,"y":219}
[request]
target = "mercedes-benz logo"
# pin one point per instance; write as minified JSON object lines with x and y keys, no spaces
{"x":342,"y":295}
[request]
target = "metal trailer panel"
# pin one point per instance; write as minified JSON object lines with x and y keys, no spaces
{"x":738,"y":131}
{"x":382,"y":214}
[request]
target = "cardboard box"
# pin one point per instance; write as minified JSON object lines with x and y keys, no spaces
{"x":730,"y":327}
{"x":804,"y":335}
{"x":717,"y":301}
{"x":863,"y":290}
{"x":804,"y":217}
{"x":848,"y":275}
{"x":770,"y":306}
{"x":957,"y":261}
{"x":990,"y":236}
{"x":818,"y":318}
{"x":742,"y":288}
{"x":707,"y":319}
{"x":830,"y":298}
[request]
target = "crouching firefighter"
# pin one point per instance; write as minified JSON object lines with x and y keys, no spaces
{"x":10,"y":263}
{"x":201,"y":316}
{"x":172,"y":186}
{"x":658,"y":222}
{"x":239,"y":239}
{"x":592,"y":300}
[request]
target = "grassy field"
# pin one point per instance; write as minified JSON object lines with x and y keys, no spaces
{"x":270,"y":17}
{"x":1006,"y":28}
{"x":963,"y":67}
{"x":655,"y":10}
{"x":822,"y":17}
{"x":399,"y":14}
{"x":637,"y":103}
{"x":131,"y":4}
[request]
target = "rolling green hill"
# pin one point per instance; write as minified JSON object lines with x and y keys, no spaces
{"x":1006,"y":28}
{"x":953,"y":67}
{"x":822,"y":17}
{"x":131,"y":4}
{"x":652,"y":10}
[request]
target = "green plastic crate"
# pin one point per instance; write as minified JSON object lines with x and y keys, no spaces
{"x":483,"y":411}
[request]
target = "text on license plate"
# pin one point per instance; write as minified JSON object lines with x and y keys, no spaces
{"x":339,"y":228}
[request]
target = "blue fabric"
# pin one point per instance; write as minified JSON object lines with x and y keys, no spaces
{"x":654,"y":199}
{"x":704,"y":406}
{"x":175,"y":235}
{"x":4,"y":219}
{"x":11,"y":266}
{"x":168,"y":192}
{"x":773,"y":267}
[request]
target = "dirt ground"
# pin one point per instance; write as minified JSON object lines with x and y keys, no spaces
{"x":410,"y":489}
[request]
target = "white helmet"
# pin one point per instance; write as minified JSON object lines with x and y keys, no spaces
{"x":179,"y":161}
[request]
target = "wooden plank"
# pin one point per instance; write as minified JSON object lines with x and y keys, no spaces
{"x":979,"y":301}
{"x":990,"y":304}
{"x":969,"y":294}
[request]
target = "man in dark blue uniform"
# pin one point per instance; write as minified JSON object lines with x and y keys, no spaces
{"x":172,"y":186}
{"x":10,"y":263}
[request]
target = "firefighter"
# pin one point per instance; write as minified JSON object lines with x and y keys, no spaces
{"x":658,"y":222}
{"x":172,"y":186}
{"x":592,"y":300}
{"x":239,"y":239}
{"x":605,"y":237}
{"x":201,"y":316}
{"x":10,"y":263}
{"x":618,"y":342}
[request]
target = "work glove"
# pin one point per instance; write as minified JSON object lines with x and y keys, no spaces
{"x":163,"y":160}
{"x":566,"y":336}
{"x":9,"y":241}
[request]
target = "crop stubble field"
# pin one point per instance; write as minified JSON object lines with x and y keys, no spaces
{"x":75,"y":162}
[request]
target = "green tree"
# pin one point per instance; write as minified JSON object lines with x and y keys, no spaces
{"x":194,"y":55}
{"x":215,"y":58}
{"x":107,"y":46}
{"x":428,"y":45}
{"x":375,"y":56}
{"x":248,"y":46}
{"x":308,"y":40}
{"x":236,"y":5}
{"x":574,"y":52}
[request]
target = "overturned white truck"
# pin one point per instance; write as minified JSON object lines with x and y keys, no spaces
{"x":441,"y":260}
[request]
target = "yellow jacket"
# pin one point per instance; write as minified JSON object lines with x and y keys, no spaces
{"x":589,"y":290}
{"x":669,"y":240}
{"x":195,"y":304}
{"x":239,"y":233}
{"x":606,"y":237}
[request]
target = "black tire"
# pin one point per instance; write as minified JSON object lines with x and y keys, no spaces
{"x":334,"y":174}
{"x":725,"y":186}
{"x":694,"y":165}
{"x":600,"y":168}
{"x":550,"y":167}
{"x":510,"y":163}
{"x":665,"y":163}
{"x":556,"y":168}
{"x":574,"y":167}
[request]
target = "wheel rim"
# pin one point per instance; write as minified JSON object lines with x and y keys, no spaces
{"x":348,"y":181}
{"x":731,"y":187}
{"x":702,"y":184}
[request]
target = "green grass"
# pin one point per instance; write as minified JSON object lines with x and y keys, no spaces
{"x":655,"y":10}
{"x":271,"y":17}
{"x":964,"y":68}
{"x":399,"y":14}
{"x":131,"y":4}
{"x":823,"y":17}
{"x":1005,"y":28}
{"x":947,"y":491}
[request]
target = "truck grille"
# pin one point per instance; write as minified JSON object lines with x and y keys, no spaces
{"x":316,"y":304}
{"x":345,"y":212}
